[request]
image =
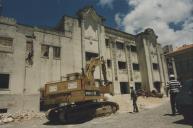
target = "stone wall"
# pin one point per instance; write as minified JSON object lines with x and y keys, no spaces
{"x":17,"y":102}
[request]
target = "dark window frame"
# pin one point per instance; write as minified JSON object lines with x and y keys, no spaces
{"x":138,"y":86}
{"x":155,"y":66}
{"x":157,"y":85}
{"x":56,"y":52}
{"x":109,"y":63}
{"x":124,"y":87}
{"x":6,"y":44}
{"x":46,"y":52}
{"x":5,"y":81}
{"x":133,"y":48}
{"x":128,"y":47}
{"x":92,"y":55}
{"x":136,"y":67}
{"x":122,"y":65}
{"x":29,"y":52}
{"x":3,"y":110}
{"x":107,"y":43}
{"x":119,"y":45}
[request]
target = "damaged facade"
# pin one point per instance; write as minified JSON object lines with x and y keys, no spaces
{"x":31,"y":56}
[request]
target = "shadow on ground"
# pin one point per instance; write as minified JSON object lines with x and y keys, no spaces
{"x":170,"y":115}
{"x":184,"y":122}
{"x":69,"y":122}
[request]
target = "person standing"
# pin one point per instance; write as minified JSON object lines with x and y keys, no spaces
{"x":174,"y":88}
{"x":134,"y":98}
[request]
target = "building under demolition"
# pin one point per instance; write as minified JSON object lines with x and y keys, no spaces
{"x":31,"y":56}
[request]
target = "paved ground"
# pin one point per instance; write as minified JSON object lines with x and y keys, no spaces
{"x":152,"y":118}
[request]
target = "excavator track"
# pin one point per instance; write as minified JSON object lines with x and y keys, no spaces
{"x":81,"y":112}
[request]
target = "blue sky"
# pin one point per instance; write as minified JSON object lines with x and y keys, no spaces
{"x":48,"y":12}
{"x":172,"y":20}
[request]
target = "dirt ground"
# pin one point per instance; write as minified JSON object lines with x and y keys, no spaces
{"x":125,"y":102}
{"x":154,"y":117}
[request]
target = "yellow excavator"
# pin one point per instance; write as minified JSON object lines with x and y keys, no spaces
{"x":80,"y":96}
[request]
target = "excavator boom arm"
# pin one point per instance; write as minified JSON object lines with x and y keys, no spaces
{"x":90,"y":68}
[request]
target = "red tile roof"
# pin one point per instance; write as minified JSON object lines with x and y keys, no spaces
{"x":183,"y":48}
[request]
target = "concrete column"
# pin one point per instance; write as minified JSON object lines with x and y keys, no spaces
{"x":148,"y":66}
{"x":151,"y":81}
{"x":131,"y":67}
{"x":99,"y":47}
{"x":129,"y":63}
{"x":112,"y":65}
{"x":165,"y":72}
{"x":59,"y":39}
{"x":162,"y":81}
{"x":83,"y":44}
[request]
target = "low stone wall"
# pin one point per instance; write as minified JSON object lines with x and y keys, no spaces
{"x":14,"y":103}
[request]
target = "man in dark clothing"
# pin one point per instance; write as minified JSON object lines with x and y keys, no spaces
{"x":134,"y":98}
{"x":174,"y":88}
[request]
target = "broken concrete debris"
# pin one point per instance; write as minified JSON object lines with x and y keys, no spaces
{"x":19,"y":116}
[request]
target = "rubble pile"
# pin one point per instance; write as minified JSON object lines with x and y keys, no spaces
{"x":19,"y":116}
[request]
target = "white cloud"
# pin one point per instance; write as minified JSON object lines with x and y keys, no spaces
{"x":158,"y":14}
{"x":119,"y":19}
{"x":108,"y":3}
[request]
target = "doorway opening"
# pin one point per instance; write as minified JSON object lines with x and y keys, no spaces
{"x":124,"y":87}
{"x":157,"y":86}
